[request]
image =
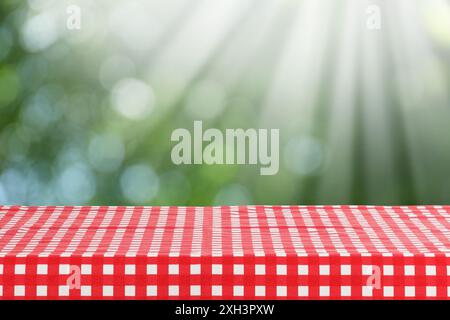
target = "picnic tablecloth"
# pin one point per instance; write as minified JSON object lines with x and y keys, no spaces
{"x":246,"y":252}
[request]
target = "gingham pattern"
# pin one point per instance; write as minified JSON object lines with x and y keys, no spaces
{"x":253,"y":252}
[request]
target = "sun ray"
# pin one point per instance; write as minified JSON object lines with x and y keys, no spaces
{"x":376,"y":121}
{"x":336,"y":181}
{"x":411,"y":53}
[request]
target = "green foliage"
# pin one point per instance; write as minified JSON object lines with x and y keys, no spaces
{"x":86,"y":115}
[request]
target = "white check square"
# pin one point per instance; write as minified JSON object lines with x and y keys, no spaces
{"x":260,"y":269}
{"x":173,"y":269}
{"x":302,"y":270}
{"x":367,"y":270}
{"x":41,"y":291}
{"x":281,"y":269}
{"x":430,"y":270}
{"x":367,"y":291}
{"x":410,"y":291}
{"x":260,"y":291}
{"x":216,"y":269}
{"x":64,"y":269}
{"x":130,"y":269}
{"x":195,"y":269}
{"x":431,"y":291}
{"x":130,"y":291}
{"x":174,"y":291}
{"x":19,"y":269}
{"x":388,"y":291}
{"x":86,"y":269}
{"x":216,"y":291}
{"x":281,"y":291}
{"x":409,"y":270}
{"x":195,"y":290}
{"x":85,"y":291}
{"x":303,"y":291}
{"x":42,"y":269}
{"x":346,"y":270}
{"x":238,"y":269}
{"x":346,"y":291}
{"x":324,"y":291}
{"x":238,"y":291}
{"x":108,"y":291}
{"x":324,"y":270}
{"x":108,"y":269}
{"x":152,"y":291}
{"x":152,"y":269}
{"x":388,"y":270}
{"x":19,"y":291}
{"x":63,"y":291}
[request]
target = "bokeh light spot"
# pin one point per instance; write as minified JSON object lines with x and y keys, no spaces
{"x":76,"y":184}
{"x":139,"y":184}
{"x":437,"y":20}
{"x":39,"y":32}
{"x":15,"y":184}
{"x":3,"y":195}
{"x":303,"y":155}
{"x":133,"y":98}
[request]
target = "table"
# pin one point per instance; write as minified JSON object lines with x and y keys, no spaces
{"x":231,"y":252}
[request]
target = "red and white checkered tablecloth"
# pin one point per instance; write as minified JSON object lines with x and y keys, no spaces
{"x":251,"y":252}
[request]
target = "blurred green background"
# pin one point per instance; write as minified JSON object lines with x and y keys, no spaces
{"x":86,"y":115}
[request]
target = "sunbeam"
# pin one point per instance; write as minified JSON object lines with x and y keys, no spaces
{"x":358,"y":91}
